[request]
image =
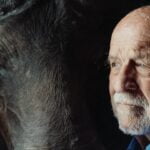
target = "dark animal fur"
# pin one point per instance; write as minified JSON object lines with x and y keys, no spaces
{"x":42,"y":105}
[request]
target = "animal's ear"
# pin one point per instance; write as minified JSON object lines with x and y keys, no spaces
{"x":9,"y":8}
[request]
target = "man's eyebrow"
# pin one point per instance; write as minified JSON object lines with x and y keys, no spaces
{"x":112,"y":58}
{"x":143,"y":45}
{"x":145,"y":57}
{"x":142,"y":50}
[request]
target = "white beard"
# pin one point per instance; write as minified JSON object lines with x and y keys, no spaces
{"x":134,"y":120}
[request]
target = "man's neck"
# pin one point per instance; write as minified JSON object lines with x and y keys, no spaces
{"x":143,"y":140}
{"x":148,"y":137}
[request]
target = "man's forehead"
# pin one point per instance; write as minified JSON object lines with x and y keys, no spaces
{"x":131,"y":40}
{"x":133,"y":36}
{"x":135,"y":24}
{"x":142,"y":50}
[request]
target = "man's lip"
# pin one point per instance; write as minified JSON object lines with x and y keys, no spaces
{"x":126,"y":104}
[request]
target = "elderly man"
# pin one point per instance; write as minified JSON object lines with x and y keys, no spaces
{"x":129,"y":86}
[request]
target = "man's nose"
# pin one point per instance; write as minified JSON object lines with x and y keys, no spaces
{"x":126,"y":79}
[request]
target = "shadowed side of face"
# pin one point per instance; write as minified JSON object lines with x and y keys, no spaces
{"x":129,"y":59}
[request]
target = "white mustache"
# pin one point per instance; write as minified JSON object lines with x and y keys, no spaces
{"x":126,"y":98}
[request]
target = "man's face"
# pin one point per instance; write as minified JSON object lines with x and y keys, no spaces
{"x":129,"y":86}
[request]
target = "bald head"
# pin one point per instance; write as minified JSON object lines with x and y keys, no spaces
{"x":140,"y":17}
{"x":132,"y":29}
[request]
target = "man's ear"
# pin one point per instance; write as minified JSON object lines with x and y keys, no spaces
{"x":10,"y":8}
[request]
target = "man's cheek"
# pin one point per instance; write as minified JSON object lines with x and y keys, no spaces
{"x":111,"y":90}
{"x":112,"y":82}
{"x":148,"y":111}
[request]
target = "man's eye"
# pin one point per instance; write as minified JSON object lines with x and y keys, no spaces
{"x":143,"y":69}
{"x":141,"y":65}
{"x":114,"y":64}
